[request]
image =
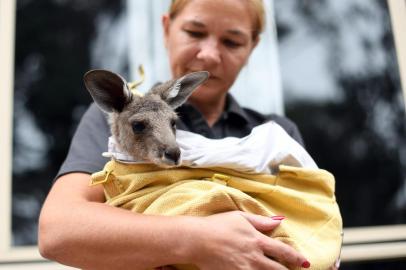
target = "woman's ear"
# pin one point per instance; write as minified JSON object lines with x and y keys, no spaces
{"x":165,"y":26}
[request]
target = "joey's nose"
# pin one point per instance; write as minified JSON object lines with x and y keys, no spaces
{"x":172,"y":154}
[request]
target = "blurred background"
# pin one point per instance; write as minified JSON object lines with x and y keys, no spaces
{"x":334,"y":72}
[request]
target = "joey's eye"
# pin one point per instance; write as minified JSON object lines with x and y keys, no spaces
{"x":138,"y":126}
{"x":173,"y":124}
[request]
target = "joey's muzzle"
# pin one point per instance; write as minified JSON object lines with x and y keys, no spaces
{"x":171,"y":156}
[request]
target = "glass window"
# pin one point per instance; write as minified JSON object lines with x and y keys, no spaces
{"x":56,"y":43}
{"x":341,"y":86}
{"x":341,"y":83}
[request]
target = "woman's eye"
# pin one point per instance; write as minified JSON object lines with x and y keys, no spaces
{"x":231,"y":43}
{"x":195,"y":34}
{"x":138,"y":127}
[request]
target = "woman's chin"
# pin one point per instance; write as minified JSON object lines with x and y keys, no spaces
{"x":207,"y":95}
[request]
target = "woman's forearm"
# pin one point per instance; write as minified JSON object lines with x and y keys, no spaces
{"x":77,"y":231}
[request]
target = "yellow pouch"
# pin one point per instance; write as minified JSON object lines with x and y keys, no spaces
{"x":306,"y":197}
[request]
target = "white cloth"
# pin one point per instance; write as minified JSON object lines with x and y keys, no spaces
{"x":262,"y":151}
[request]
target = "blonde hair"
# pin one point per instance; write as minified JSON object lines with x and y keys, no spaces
{"x":257,"y":9}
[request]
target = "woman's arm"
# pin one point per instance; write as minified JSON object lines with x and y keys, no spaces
{"x":76,"y":228}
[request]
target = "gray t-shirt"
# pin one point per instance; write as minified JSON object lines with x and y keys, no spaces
{"x":91,"y":137}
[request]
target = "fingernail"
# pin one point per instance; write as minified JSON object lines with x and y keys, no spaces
{"x":306,"y":264}
{"x":278,"y":217}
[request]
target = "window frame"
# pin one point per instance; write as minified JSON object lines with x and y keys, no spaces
{"x":382,"y":242}
{"x":360,"y":243}
{"x":7,"y":31}
{"x":397,"y":10}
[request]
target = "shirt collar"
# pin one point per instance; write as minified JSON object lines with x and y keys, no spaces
{"x":235,"y":111}
{"x":232,"y":111}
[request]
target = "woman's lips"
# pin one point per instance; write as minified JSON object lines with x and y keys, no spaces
{"x":211,"y":76}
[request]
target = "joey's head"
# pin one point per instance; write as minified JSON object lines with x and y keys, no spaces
{"x":143,"y":126}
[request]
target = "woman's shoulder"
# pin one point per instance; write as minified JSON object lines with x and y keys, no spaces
{"x":94,"y":113}
{"x":88,"y":144}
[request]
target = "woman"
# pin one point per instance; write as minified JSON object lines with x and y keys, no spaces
{"x":76,"y":228}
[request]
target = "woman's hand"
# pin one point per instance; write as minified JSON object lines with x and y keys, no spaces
{"x":234,"y":240}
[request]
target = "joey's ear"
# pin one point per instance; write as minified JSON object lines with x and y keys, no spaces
{"x":108,"y":89}
{"x":182,"y":88}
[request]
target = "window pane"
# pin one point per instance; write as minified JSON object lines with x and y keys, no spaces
{"x":57,"y":41}
{"x":341,"y":86}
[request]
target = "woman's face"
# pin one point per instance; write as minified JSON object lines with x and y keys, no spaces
{"x":210,"y":35}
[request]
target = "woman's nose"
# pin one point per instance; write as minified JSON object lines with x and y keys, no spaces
{"x":209,"y":51}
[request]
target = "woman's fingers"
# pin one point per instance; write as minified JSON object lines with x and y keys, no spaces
{"x":275,"y":249}
{"x":283,"y":253}
{"x":262,"y":223}
{"x":244,"y":246}
{"x":270,"y":264}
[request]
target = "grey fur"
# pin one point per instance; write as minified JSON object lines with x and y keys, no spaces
{"x":143,"y":126}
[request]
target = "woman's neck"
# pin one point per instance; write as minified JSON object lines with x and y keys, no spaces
{"x":210,"y":109}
